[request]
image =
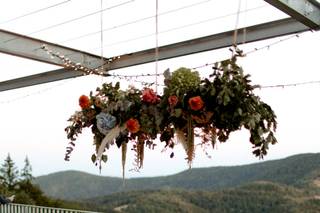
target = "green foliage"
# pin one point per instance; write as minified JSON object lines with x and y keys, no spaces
{"x":251,"y":198}
{"x":231,"y":99}
{"x":9,"y":173}
{"x":224,"y":103}
{"x":31,"y":193}
{"x":182,"y":81}
{"x":26,"y":172}
{"x":24,"y":190}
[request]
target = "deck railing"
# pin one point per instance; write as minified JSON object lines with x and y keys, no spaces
{"x":20,"y":208}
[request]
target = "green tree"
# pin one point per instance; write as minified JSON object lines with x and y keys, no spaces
{"x":9,"y":173}
{"x":26,"y":172}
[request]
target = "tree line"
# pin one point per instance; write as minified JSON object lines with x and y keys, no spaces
{"x":20,"y":183}
{"x":11,"y":177}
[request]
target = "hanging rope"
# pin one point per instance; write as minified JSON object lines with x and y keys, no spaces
{"x":101,"y":38}
{"x":157,"y":45}
{"x":235,"y":35}
{"x":244,"y":38}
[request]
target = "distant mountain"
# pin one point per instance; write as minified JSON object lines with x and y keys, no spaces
{"x":250,"y":198}
{"x":297,"y":171}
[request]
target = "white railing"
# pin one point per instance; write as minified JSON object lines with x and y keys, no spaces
{"x":19,"y":208}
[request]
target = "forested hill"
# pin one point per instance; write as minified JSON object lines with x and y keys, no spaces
{"x":298,"y":170}
{"x":249,"y":198}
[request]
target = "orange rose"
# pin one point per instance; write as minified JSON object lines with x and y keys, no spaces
{"x":133,"y":125}
{"x":173,"y":100}
{"x":195,"y":103}
{"x":84,"y":102}
{"x":149,"y":96}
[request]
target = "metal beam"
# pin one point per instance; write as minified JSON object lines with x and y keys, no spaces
{"x":304,"y":11}
{"x":46,"y":77}
{"x":221,"y":40}
{"x":212,"y":42}
{"x":30,"y":48}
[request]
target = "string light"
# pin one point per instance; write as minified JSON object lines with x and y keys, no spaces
{"x":268,"y":46}
{"x":68,"y":64}
{"x":149,"y":84}
{"x":290,"y":84}
{"x":131,"y":77}
{"x":272,"y":44}
{"x":136,"y":76}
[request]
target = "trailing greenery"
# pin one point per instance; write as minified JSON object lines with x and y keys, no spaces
{"x":298,"y":171}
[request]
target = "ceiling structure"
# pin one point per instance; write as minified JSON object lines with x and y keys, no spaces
{"x":304,"y":16}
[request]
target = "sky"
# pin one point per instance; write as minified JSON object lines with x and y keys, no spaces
{"x":33,"y":118}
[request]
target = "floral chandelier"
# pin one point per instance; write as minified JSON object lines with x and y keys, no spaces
{"x":209,"y":109}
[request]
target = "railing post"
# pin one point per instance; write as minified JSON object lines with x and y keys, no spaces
{"x":20,"y":208}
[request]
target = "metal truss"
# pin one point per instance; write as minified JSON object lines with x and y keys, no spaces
{"x":305,"y":15}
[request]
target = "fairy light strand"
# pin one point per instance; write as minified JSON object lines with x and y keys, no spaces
{"x":71,"y":65}
{"x":135,"y":76}
{"x":268,"y":46}
{"x":272,"y":44}
{"x":289,"y":85}
{"x":149,"y":84}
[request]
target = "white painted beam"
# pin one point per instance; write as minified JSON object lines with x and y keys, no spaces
{"x":304,"y":11}
{"x":221,"y":40}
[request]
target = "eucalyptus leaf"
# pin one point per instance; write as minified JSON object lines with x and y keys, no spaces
{"x":104,"y":158}
{"x":93,"y":158}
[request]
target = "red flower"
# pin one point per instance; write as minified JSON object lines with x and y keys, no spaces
{"x":133,"y":125}
{"x":173,"y":100}
{"x":149,"y":96}
{"x":84,"y":102}
{"x":195,"y":103}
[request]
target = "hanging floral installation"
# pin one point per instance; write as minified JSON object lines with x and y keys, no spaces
{"x":189,"y":108}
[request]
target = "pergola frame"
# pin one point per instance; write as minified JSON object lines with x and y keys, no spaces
{"x":305,"y":15}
